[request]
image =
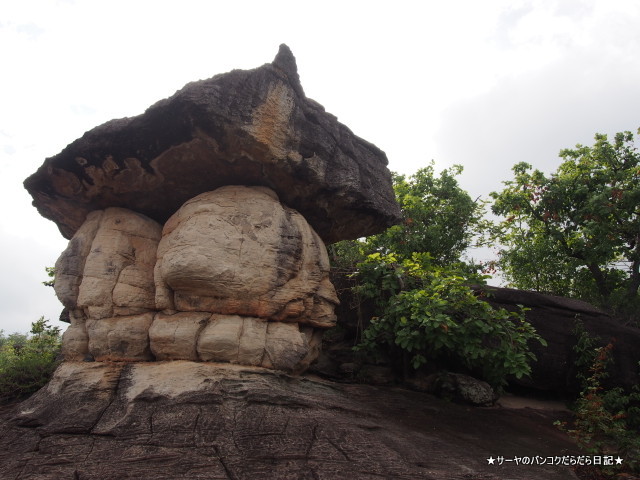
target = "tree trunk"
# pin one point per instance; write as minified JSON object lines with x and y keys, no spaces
{"x":601,"y":283}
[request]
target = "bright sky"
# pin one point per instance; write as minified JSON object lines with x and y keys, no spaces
{"x":485,"y":84}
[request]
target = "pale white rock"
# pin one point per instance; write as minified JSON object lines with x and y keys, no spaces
{"x":117,"y":276}
{"x":238,"y":251}
{"x":252,"y":341}
{"x":237,"y":277}
{"x":75,"y":343}
{"x":285,"y":347}
{"x":219,"y":341}
{"x":233,"y":339}
{"x":313,"y":337}
{"x":174,"y":337}
{"x":120,"y":338}
{"x":70,"y":265}
{"x":256,"y":342}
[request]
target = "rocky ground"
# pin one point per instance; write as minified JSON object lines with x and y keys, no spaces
{"x":187,"y":420}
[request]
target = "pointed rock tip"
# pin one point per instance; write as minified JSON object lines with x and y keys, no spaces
{"x":286,"y":62}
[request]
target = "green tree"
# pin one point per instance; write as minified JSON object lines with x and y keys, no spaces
{"x":533,"y":261}
{"x":577,"y":231}
{"x":51,"y":273}
{"x":438,"y":217}
{"x":426,"y":311}
{"x":27,"y":362}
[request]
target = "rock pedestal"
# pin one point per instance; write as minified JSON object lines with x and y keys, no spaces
{"x":234,"y":276}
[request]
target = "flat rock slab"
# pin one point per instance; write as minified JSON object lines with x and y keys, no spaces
{"x":245,"y":127}
{"x":555,"y":318}
{"x":187,"y":420}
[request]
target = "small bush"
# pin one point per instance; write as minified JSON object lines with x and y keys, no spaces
{"x":27,"y":362}
{"x":607,"y":421}
{"x":430,"y":312}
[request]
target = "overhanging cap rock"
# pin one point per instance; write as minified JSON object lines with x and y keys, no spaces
{"x":245,"y":127}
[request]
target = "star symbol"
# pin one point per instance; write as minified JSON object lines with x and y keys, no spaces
{"x":618,"y":460}
{"x":491,"y":460}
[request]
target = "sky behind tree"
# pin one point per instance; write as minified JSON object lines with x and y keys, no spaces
{"x":482,"y":84}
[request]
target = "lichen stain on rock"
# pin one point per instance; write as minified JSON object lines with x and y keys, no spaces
{"x":272,"y":121}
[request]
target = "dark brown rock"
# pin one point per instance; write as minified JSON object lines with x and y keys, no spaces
{"x":554,"y":318}
{"x":253,"y":127}
{"x":463,"y":389}
{"x":185,"y":420}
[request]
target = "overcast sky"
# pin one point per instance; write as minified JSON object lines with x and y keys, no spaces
{"x":485,"y":84}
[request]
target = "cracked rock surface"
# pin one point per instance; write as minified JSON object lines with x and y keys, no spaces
{"x":187,"y":420}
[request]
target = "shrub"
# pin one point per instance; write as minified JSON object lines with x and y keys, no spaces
{"x":431,"y":313}
{"x":607,"y":421}
{"x":27,"y":362}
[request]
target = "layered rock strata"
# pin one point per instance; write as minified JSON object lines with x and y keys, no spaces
{"x":234,"y":276}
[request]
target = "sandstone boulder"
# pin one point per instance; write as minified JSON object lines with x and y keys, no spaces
{"x":463,"y":389}
{"x":238,"y":251}
{"x":256,"y":342}
{"x":106,"y":272}
{"x":75,"y":339}
{"x":232,"y":265}
{"x":252,"y":127}
{"x":248,"y":177}
{"x":107,"y":268}
{"x":220,"y":340}
{"x":122,"y":339}
{"x":174,"y":337}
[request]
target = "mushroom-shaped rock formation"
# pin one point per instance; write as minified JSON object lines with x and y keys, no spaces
{"x":245,"y":127}
{"x":197,"y":228}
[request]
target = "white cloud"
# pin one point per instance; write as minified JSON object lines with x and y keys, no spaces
{"x":531,"y":116}
{"x":485,"y":84}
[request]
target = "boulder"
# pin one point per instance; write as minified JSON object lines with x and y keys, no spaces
{"x":554,"y":318}
{"x":463,"y":389}
{"x":174,"y":337}
{"x":187,"y":420}
{"x":285,"y":346}
{"x":238,"y":251}
{"x":215,"y":284}
{"x":253,"y":127}
{"x":253,"y":341}
{"x":198,"y":228}
{"x":121,"y":339}
{"x":107,"y":268}
{"x":75,"y":340}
